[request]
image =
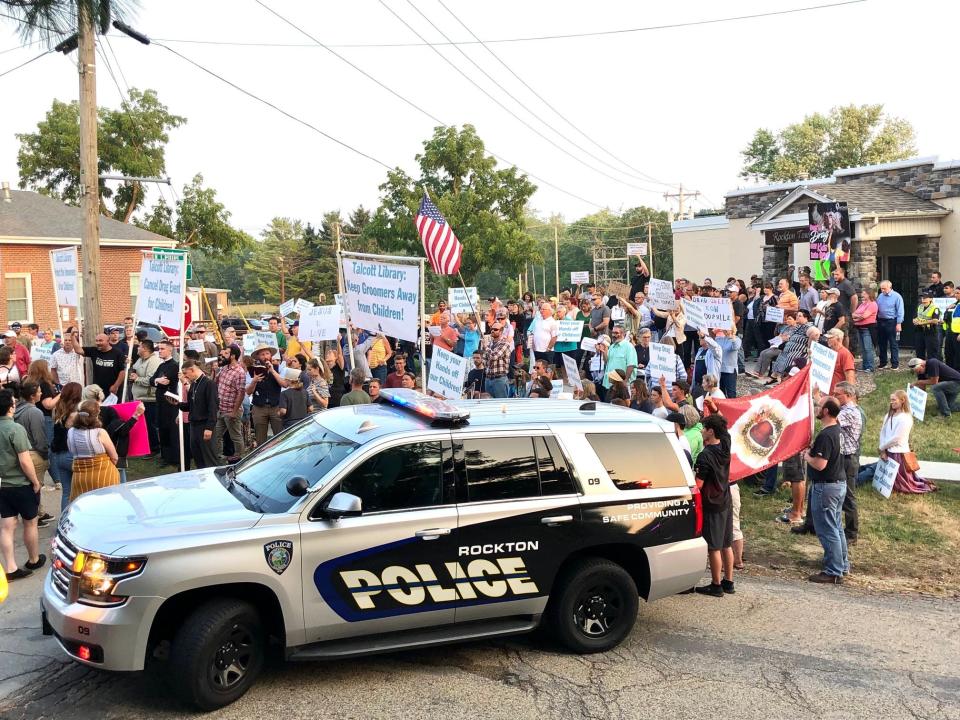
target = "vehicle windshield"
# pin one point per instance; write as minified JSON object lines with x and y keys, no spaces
{"x":307,"y":449}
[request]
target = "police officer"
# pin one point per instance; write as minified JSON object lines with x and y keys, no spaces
{"x":951,"y":329}
{"x":927,"y":323}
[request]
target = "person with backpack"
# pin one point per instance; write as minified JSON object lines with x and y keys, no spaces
{"x":712,"y":470}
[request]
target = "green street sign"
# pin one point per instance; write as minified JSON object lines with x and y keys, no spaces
{"x":177,"y":251}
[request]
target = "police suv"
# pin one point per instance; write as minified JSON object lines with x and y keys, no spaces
{"x":380,"y":527}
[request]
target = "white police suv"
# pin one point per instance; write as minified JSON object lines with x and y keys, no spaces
{"x":380,"y":527}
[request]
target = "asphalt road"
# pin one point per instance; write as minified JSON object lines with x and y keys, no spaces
{"x":777,"y":649}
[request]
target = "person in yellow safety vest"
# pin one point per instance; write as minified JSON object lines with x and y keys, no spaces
{"x":927,"y":322}
{"x":951,"y":328}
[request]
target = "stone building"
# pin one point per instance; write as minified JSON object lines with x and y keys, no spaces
{"x":902,"y":215}
{"x":31,"y":225}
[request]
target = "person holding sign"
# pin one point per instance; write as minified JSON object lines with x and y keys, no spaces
{"x":895,"y":444}
{"x":545,"y":333}
{"x":274,"y":327}
{"x":641,"y":277}
{"x":943,"y":381}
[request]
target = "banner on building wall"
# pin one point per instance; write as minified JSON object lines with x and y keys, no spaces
{"x":830,"y":237}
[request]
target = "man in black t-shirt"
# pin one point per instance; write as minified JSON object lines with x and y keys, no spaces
{"x":826,"y":473}
{"x":640,"y":279}
{"x":943,"y":381}
{"x":713,"y":473}
{"x":109,"y":364}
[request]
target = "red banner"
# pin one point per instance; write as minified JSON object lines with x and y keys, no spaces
{"x":770,"y":427}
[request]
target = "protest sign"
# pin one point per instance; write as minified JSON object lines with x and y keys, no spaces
{"x":570,"y":331}
{"x":636,"y":249}
{"x":556,"y":387}
{"x":302,"y":306}
{"x":162,"y":286}
{"x":822,"y":362}
{"x":41,"y":351}
{"x":64,"y":265}
{"x":459,"y":300}
{"x":249,"y":343}
{"x":434,"y":330}
{"x":196,"y":345}
{"x":573,"y":372}
{"x":615,"y":287}
{"x":943,"y":304}
{"x":580,"y":278}
{"x":588,"y":344}
{"x":320,"y":322}
{"x":286,"y":309}
{"x":918,"y":402}
{"x":383,"y":297}
{"x":341,"y":301}
{"x":661,"y":294}
{"x":717,"y":312}
{"x":773,"y":314}
{"x":448,"y":372}
{"x":663,"y":363}
{"x":265,"y":337}
{"x":695,"y":315}
{"x":885,"y":476}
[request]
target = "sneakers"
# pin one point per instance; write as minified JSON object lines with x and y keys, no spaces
{"x":46,"y":516}
{"x":823,"y":579}
{"x":763,"y":492}
{"x":41,"y":523}
{"x":18,"y":574}
{"x":801,"y":530}
{"x":37,"y":565}
{"x":727,"y":587}
{"x":711,"y":590}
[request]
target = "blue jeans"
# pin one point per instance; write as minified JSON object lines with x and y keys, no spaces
{"x":380,"y":373}
{"x":826,"y":504}
{"x":61,"y":468}
{"x":887,"y":335}
{"x":945,"y":393}
{"x":770,"y":478}
{"x":865,"y":476}
{"x":866,"y":342}
{"x":497,"y":387}
{"x":728,"y":384}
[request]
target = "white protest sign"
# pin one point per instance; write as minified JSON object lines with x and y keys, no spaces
{"x":287,"y":307}
{"x":943,"y":304}
{"x":341,"y":301}
{"x":588,"y":344}
{"x":918,"y":402}
{"x":162,"y":286}
{"x":320,"y":322}
{"x":448,"y":372}
{"x":249,"y":343}
{"x":822,"y":362}
{"x":661,"y":295}
{"x":41,"y":351}
{"x":302,"y":306}
{"x":570,"y":331}
{"x":885,"y":476}
{"x":196,"y":345}
{"x":434,"y":330}
{"x":573,"y":372}
{"x":580,"y":278}
{"x":695,"y":315}
{"x":663,"y":363}
{"x":636,"y":249}
{"x":64,"y":265}
{"x":383,"y":297}
{"x":774,"y":315}
{"x":717,"y":312}
{"x":556,"y":387}
{"x":459,"y":301}
{"x":265,"y":337}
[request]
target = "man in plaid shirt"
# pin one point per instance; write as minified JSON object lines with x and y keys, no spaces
{"x":231,"y":388}
{"x":851,"y":421}
{"x":496,"y":359}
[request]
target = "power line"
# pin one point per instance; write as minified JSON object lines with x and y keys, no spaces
{"x":24,"y":64}
{"x":548,"y":104}
{"x":535,"y":38}
{"x":106,"y":62}
{"x":409,"y":102}
{"x":119,"y":66}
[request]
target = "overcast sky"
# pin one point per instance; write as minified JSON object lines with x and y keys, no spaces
{"x":676,"y":104}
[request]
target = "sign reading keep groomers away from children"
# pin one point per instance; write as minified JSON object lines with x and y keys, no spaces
{"x":383,"y":297}
{"x":448,"y":373}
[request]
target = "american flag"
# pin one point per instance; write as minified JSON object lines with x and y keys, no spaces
{"x":441,"y":245}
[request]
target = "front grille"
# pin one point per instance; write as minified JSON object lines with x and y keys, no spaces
{"x":64,"y":553}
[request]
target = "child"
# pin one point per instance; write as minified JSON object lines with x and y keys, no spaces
{"x":293,"y":401}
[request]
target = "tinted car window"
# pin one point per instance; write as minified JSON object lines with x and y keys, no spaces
{"x":555,"y":478}
{"x":638,"y":460}
{"x":501,"y":469}
{"x":407,"y":476}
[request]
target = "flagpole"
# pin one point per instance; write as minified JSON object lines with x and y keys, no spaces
{"x":423,"y":330}
{"x":346,"y":309}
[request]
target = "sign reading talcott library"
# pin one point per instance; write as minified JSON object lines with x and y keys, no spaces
{"x":383,"y":297}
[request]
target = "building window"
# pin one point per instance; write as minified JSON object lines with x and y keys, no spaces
{"x":19,"y":297}
{"x":134,"y":292}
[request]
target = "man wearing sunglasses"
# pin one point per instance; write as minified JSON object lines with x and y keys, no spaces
{"x":496,"y":359}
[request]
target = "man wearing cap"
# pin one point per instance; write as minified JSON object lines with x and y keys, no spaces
{"x":927,"y":323}
{"x":844,"y":369}
{"x":833,"y":316}
{"x":942,"y":380}
{"x":640,"y":278}
{"x":20,"y":353}
{"x":265,"y":386}
{"x":621,"y":355}
{"x":496,"y":359}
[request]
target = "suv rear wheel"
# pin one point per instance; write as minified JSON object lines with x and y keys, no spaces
{"x":593,"y":606}
{"x":217,"y":653}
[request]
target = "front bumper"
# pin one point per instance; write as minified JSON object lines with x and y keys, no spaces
{"x":115,"y":637}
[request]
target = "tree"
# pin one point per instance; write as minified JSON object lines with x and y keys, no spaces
{"x":131,"y":141}
{"x":850,"y":136}
{"x":203,"y":221}
{"x":277,"y":257}
{"x":483,"y":204}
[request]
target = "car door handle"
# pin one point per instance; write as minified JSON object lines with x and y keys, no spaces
{"x":432,"y":533}
{"x":556,"y":519}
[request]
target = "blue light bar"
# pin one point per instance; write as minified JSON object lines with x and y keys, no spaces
{"x":428,"y":407}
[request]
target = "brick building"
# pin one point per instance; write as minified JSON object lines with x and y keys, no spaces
{"x":31,"y":225}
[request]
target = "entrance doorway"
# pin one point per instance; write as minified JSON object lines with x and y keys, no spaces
{"x":902,"y":272}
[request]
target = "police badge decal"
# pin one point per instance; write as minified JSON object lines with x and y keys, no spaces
{"x":279,"y":555}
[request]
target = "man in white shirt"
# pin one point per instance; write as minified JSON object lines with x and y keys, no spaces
{"x":66,"y":364}
{"x":545,"y":333}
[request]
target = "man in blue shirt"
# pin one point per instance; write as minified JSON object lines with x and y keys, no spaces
{"x":889,"y":319}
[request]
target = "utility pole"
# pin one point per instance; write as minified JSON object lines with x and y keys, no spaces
{"x":556,"y":260}
{"x":681,"y":196}
{"x":336,"y":236}
{"x":650,"y":245}
{"x":89,"y":175}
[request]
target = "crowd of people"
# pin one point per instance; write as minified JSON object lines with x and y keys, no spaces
{"x":217,"y":402}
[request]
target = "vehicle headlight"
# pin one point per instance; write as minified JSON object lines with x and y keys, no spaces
{"x":99,"y":575}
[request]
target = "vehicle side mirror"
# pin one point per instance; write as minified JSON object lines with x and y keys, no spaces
{"x":343,"y":505}
{"x":298,"y":486}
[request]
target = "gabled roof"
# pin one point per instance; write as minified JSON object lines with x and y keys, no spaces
{"x":30,"y":216}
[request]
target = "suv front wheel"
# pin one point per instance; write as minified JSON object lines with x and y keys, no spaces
{"x":217,"y":653}
{"x":593,"y":606}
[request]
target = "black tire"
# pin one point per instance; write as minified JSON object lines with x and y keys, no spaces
{"x":217,"y":653}
{"x":593,"y":606}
